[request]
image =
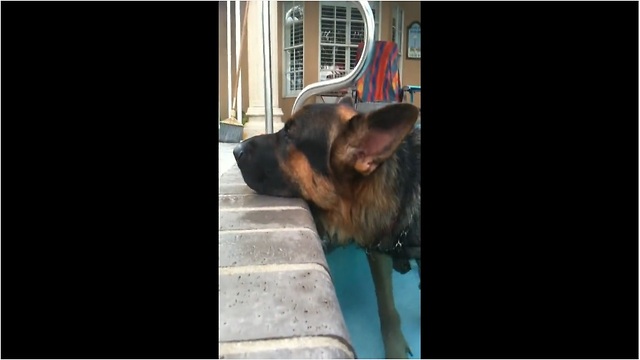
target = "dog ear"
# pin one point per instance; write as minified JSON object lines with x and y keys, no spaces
{"x":372,"y":138}
{"x":346,"y":100}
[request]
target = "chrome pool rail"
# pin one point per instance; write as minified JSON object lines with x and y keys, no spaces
{"x":349,"y":79}
{"x":266,"y":51}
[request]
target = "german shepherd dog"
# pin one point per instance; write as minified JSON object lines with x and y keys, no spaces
{"x":360,"y":174}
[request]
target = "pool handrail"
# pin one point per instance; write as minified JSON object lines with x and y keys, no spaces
{"x":350,"y":79}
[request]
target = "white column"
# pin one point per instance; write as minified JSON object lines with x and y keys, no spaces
{"x":275,"y":40}
{"x":229,"y":76}
{"x":238,"y":60}
{"x":255,"y":112}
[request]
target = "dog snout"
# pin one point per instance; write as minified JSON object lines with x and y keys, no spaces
{"x":238,"y":151}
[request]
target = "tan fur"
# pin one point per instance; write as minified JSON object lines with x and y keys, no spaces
{"x":346,"y":113}
{"x":363,"y":214}
{"x":350,"y":212}
{"x":314,"y":187}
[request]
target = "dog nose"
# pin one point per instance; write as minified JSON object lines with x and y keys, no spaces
{"x":237,"y":151}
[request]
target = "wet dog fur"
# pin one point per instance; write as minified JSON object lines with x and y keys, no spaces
{"x":360,"y":174}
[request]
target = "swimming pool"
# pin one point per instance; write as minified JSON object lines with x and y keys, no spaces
{"x":356,"y":295}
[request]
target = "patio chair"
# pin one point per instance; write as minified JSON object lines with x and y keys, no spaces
{"x":380,"y":84}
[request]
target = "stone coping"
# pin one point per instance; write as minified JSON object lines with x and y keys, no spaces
{"x":277,"y":298}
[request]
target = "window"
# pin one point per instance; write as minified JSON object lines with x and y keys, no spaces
{"x":341,"y":30}
{"x":293,"y":47}
{"x":397,"y":30}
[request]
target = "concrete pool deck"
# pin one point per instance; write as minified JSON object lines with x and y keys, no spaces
{"x":277,"y":298}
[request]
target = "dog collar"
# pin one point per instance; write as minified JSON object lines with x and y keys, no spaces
{"x":398,"y":247}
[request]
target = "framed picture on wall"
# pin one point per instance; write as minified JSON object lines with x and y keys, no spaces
{"x":414,"y":40}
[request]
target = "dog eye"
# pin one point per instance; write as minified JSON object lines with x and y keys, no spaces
{"x":287,"y":134}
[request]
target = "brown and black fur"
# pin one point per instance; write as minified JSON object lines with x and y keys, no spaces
{"x":360,"y":174}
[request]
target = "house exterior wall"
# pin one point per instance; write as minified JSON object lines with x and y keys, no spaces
{"x":411,"y":68}
{"x":411,"y":72}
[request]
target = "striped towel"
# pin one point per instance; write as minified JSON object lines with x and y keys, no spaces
{"x":381,"y":80}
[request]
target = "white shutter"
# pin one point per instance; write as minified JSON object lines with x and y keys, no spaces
{"x":341,"y":30}
{"x":293,"y":48}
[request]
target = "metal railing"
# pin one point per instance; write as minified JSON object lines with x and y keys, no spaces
{"x":266,"y":51}
{"x":322,"y":86}
{"x":350,"y":79}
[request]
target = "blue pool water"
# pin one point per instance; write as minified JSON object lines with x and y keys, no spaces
{"x":357,"y":298}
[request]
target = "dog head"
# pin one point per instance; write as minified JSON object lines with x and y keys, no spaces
{"x":323,"y":147}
